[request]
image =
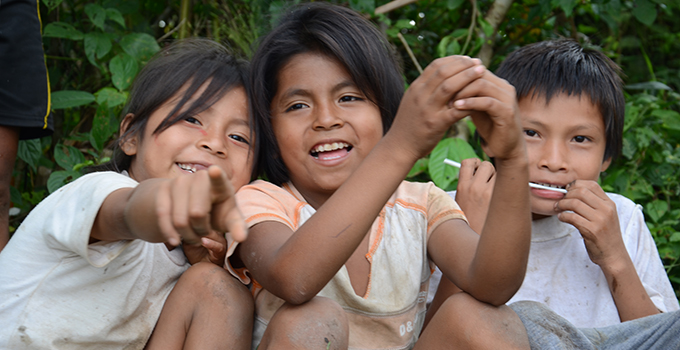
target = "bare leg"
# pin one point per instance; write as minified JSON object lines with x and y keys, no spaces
{"x":9,"y":142}
{"x":207,"y":309}
{"x":317,"y":324}
{"x":470,"y":324}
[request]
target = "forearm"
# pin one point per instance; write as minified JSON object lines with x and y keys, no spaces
{"x":503,"y":249}
{"x":129,"y":213}
{"x":328,"y":239}
{"x":630,"y":296}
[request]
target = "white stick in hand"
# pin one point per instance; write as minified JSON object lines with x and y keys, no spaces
{"x":560,"y":190}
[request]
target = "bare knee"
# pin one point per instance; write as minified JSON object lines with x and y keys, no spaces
{"x":472,"y":324}
{"x":216,"y":288}
{"x":320,"y":323}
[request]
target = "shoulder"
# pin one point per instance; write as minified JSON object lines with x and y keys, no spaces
{"x":625,"y":208}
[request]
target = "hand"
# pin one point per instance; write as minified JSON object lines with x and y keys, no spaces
{"x":425,"y":112}
{"x":190,"y":206}
{"x":213,"y":248}
{"x":475,"y":187}
{"x":492,"y":104}
{"x":589,"y":209}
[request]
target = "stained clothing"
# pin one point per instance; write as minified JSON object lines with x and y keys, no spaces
{"x":58,"y":291}
{"x":24,"y":83}
{"x":391,"y":313}
{"x":561,"y":275}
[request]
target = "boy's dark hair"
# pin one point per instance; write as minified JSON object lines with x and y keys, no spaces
{"x":550,"y":68}
{"x":186,"y":63}
{"x":338,"y":33}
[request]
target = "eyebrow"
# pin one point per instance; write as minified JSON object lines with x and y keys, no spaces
{"x":577,"y":128}
{"x":306,"y":93}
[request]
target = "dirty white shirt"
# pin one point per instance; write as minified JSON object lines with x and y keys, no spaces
{"x":561,"y":275}
{"x":391,"y":312}
{"x":59,"y":292}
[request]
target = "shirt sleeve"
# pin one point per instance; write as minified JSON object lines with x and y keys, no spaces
{"x":441,"y":207}
{"x":259,"y":202}
{"x":647,"y":261}
{"x":65,"y":218}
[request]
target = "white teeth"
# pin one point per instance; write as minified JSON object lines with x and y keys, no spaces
{"x":187,"y":167}
{"x":549,"y":185}
{"x":330,"y":147}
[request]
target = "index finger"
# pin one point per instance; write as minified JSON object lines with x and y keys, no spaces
{"x":220,"y":186}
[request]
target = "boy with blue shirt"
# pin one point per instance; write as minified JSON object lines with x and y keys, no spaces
{"x":592,"y":259}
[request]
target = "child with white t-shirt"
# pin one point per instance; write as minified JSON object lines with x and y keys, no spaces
{"x":97,"y":264}
{"x":592,"y":259}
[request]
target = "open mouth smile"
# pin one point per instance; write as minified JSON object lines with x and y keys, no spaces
{"x":330,"y":151}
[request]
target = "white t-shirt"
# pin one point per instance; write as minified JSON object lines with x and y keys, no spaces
{"x":57,"y":291}
{"x":561,"y":275}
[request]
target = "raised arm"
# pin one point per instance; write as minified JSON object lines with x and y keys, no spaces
{"x":491,"y":267}
{"x":297,"y":265}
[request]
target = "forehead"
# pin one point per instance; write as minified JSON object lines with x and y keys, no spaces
{"x":562,"y":112}
{"x":312,"y":68}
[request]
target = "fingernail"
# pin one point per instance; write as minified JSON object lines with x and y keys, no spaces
{"x":459,"y":103}
{"x":480,"y":69}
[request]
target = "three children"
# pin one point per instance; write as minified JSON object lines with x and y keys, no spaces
{"x":340,"y":248}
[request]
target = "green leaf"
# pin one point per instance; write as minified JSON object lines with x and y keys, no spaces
{"x":62,"y":30}
{"x":123,"y":69}
{"x":675,"y":237}
{"x":30,"y":152}
{"x":656,"y":209}
{"x":443,"y":44}
{"x":454,"y":4}
{"x":97,"y":15}
{"x":671,"y":119}
{"x":97,"y":45}
{"x":68,"y":156}
{"x":70,"y":98}
{"x":568,"y":6}
{"x":110,"y":96}
{"x":487,"y":28}
{"x":52,"y":4}
{"x":60,"y":178}
{"x":102,"y":127}
{"x":645,"y":11}
{"x":116,"y":16}
{"x":452,"y":148}
{"x":141,"y":46}
{"x":364,"y":6}
{"x":649,"y":85}
{"x":418,"y":168}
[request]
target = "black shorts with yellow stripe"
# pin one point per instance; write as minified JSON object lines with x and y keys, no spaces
{"x":24,"y":83}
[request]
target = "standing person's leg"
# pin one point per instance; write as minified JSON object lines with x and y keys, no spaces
{"x":24,"y":90}
{"x":9,"y":140}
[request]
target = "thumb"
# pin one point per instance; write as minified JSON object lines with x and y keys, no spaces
{"x":220,"y":186}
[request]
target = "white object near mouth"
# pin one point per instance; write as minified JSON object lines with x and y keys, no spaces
{"x":560,"y":190}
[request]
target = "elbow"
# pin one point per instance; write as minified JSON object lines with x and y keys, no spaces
{"x":296,"y":290}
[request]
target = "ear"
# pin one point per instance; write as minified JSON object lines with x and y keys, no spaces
{"x":606,"y":164}
{"x":129,"y":144}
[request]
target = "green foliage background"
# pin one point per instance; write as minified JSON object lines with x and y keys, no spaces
{"x":95,"y":48}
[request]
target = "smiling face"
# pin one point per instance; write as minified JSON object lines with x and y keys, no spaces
{"x":323,"y":123}
{"x":219,"y":135}
{"x":565,"y":142}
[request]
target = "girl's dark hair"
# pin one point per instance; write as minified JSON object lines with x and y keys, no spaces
{"x":549,"y":68}
{"x":188,"y":63}
{"x":338,"y":33}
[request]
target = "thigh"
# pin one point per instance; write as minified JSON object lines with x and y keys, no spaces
{"x":317,"y":324}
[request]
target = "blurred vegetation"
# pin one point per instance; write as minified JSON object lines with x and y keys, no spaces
{"x":95,"y":48}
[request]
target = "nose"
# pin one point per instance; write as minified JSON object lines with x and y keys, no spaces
{"x":213,"y":142}
{"x":326,"y":117}
{"x":553,"y":157}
